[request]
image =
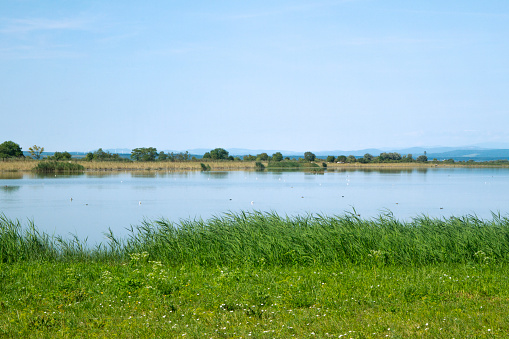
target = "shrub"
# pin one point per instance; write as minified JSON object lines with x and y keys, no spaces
{"x":58,"y":167}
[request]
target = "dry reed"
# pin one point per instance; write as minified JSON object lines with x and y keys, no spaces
{"x":29,"y":164}
{"x":166,"y":165}
{"x":17,"y":165}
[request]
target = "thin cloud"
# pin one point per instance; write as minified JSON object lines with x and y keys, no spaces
{"x":40,"y":24}
{"x":479,"y":14}
{"x":287,"y":9}
{"x":38,"y":52}
{"x":172,"y":51}
{"x":387,"y":41}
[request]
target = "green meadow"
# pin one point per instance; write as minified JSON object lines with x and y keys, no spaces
{"x":261,"y":275}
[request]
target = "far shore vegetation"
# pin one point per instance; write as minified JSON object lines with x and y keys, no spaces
{"x":148,"y":158}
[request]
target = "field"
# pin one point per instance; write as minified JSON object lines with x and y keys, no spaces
{"x":260,"y":275}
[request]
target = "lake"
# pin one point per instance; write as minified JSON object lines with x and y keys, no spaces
{"x":89,"y":204}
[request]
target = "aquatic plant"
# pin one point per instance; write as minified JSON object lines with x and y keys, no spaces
{"x":254,"y":238}
{"x":274,"y":240}
{"x":58,"y":167}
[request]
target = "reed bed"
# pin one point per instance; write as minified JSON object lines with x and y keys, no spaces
{"x":167,"y":165}
{"x":258,"y":238}
{"x":29,"y":164}
{"x":17,"y":165}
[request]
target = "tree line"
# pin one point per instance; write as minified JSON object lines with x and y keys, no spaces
{"x":10,"y":150}
{"x":382,"y":158}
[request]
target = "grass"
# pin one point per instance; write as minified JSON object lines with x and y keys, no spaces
{"x":263,"y":276}
{"x":169,"y":165}
{"x":17,"y":165}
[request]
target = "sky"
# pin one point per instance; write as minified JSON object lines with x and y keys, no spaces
{"x":293,"y":75}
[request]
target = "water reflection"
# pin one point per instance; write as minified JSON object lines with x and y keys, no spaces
{"x":11,"y":175}
{"x":380,"y":170}
{"x":102,"y":174}
{"x":53,"y":175}
{"x":9,"y":189}
{"x":218,"y":174}
{"x":144,"y":174}
{"x":174,"y":174}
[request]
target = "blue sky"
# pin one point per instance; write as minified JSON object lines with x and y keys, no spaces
{"x":290,"y":75}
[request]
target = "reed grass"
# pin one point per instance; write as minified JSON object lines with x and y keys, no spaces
{"x":8,"y":165}
{"x":268,"y":239}
{"x":29,"y":164}
{"x":257,"y":238}
{"x":168,"y":165}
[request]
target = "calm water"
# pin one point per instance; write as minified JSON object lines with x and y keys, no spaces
{"x":118,"y":200}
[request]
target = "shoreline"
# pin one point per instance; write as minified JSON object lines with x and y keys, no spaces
{"x":28,"y":165}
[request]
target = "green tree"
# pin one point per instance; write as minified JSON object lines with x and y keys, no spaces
{"x":219,"y":154}
{"x":368,"y":158}
{"x":422,"y":158}
{"x":407,"y":158}
{"x":384,"y":157}
{"x":351,"y":159}
{"x":162,"y":156}
{"x":60,"y":156}
{"x":262,"y":157}
{"x":10,"y":149}
{"x":341,"y":158}
{"x":144,"y":154}
{"x":36,"y":151}
{"x":330,"y":158}
{"x":277,"y":156}
{"x":249,"y":157}
{"x":100,"y":154}
{"x":206,"y":155}
{"x":308,"y":156}
{"x":180,"y":156}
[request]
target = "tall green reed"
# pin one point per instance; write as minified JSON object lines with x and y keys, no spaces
{"x":258,"y":238}
{"x":269,"y":239}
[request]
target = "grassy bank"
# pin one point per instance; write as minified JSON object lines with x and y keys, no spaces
{"x":140,"y":298}
{"x":263,"y":276}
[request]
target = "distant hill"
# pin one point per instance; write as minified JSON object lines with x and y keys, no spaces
{"x":476,"y":155}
